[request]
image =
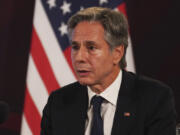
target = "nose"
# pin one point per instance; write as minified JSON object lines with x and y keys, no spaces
{"x":80,"y":55}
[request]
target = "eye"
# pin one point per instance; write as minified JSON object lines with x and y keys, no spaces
{"x":75,"y":46}
{"x":91,"y":47}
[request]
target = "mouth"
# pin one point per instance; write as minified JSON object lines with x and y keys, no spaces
{"x":83,"y":73}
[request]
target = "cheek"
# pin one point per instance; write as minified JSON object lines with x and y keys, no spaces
{"x":72,"y":58}
{"x":98,"y":63}
{"x":100,"y":59}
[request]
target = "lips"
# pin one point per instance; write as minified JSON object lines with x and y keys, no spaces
{"x":83,"y":73}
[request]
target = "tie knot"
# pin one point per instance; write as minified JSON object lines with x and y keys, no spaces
{"x":97,"y":100}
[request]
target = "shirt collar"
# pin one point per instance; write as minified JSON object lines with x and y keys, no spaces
{"x":110,"y":93}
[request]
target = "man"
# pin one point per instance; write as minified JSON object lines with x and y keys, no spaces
{"x":106,"y":99}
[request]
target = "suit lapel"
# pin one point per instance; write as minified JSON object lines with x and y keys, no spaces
{"x":126,"y":106}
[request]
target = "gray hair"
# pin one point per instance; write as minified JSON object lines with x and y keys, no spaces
{"x":114,"y":23}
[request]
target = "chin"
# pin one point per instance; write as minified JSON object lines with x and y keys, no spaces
{"x":84,"y":82}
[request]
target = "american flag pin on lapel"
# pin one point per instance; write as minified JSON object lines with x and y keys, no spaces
{"x":127,"y":114}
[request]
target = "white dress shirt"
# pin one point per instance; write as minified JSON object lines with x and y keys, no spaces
{"x":108,"y":107}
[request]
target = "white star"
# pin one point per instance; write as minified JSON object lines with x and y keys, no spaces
{"x":63,"y":29}
{"x":65,"y":7}
{"x":101,"y":2}
{"x":52,"y":3}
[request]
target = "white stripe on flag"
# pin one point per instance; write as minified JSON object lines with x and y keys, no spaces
{"x":36,"y":86}
{"x":129,"y":57}
{"x":51,"y":46}
{"x":25,"y":130}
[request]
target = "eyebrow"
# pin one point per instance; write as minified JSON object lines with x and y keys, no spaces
{"x":74,"y":42}
{"x":90,"y":42}
{"x":86,"y":42}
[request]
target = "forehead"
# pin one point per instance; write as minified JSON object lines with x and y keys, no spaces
{"x":88,"y":30}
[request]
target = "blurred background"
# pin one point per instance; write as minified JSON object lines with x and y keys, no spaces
{"x":154,"y":29}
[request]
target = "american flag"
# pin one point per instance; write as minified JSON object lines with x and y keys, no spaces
{"x":49,"y":65}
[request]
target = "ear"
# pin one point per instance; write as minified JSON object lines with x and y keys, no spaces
{"x":118,"y":53}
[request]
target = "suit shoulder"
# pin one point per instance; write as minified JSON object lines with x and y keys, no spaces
{"x":152,"y":90}
{"x":68,"y":92}
{"x":144,"y":82}
{"x":68,"y":88}
{"x":144,"y":85}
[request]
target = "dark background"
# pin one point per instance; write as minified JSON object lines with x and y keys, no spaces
{"x":154,"y":27}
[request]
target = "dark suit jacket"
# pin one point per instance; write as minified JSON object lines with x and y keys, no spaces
{"x":149,"y":102}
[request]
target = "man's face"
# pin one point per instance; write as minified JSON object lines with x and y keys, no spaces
{"x":92,"y":59}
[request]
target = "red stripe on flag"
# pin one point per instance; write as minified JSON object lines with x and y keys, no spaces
{"x":31,"y":114}
{"x":122,"y":8}
{"x":42,"y":63}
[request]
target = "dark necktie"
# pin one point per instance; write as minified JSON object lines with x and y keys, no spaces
{"x":97,"y":122}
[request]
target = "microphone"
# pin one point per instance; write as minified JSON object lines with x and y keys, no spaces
{"x":4,"y":111}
